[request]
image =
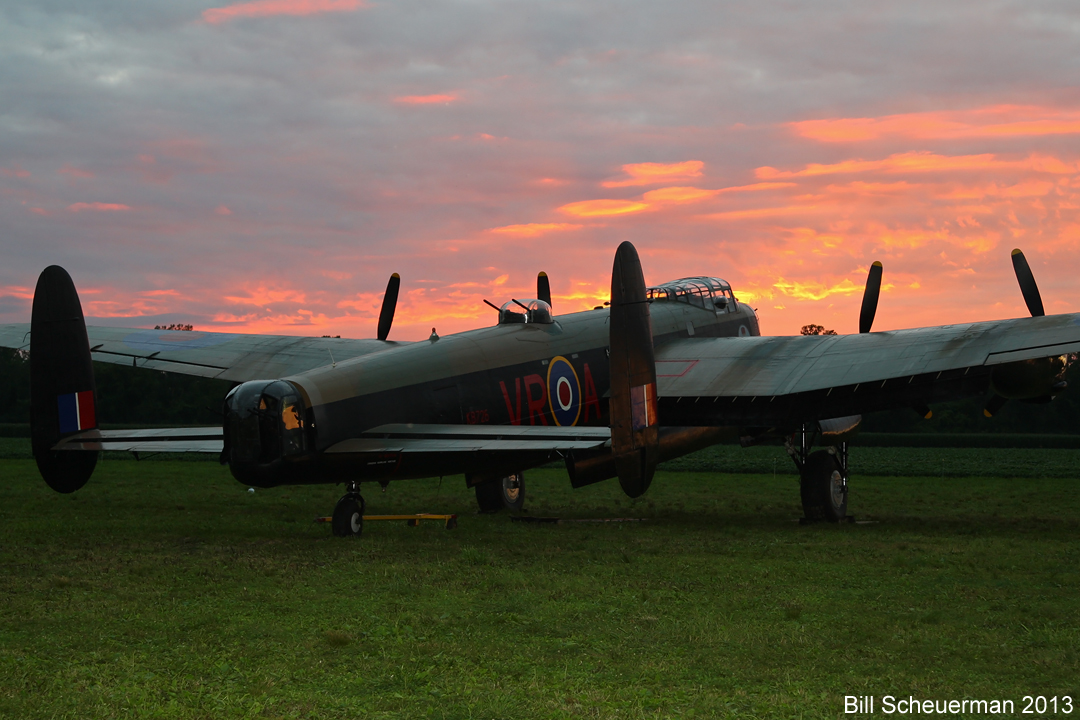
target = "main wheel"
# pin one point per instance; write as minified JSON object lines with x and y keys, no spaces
{"x":513,"y":491}
{"x":507,"y":492}
{"x":349,"y":516}
{"x":823,"y":488}
{"x":489,"y":496}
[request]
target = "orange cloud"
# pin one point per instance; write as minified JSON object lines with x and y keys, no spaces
{"x":924,"y":162}
{"x":678,"y":194}
{"x":651,"y":173}
{"x":267,"y":8}
{"x":97,"y":207}
{"x":425,"y":99}
{"x":760,"y":212}
{"x":996,"y":121}
{"x":533,"y":229}
{"x":601,"y":208}
{"x":816,"y":290}
{"x":263,"y":296}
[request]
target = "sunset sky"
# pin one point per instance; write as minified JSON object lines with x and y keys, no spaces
{"x":265,"y":166}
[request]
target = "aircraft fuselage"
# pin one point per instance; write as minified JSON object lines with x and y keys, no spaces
{"x":552,"y":374}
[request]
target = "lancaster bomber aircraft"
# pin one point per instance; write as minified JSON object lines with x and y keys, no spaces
{"x":662,"y":372}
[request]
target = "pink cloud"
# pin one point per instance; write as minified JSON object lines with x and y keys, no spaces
{"x":533,"y":229}
{"x":15,"y":171}
{"x":601,"y":208}
{"x":268,"y":8}
{"x":97,"y":207}
{"x":439,"y":99}
{"x":75,"y":172}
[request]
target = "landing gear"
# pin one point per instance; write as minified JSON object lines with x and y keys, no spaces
{"x":508,"y":492}
{"x":823,"y":486}
{"x":348,"y":519}
{"x":822,"y":478}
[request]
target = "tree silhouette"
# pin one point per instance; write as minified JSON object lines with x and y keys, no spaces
{"x":812,"y":329}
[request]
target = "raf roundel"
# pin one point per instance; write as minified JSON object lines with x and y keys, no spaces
{"x":564,"y":391}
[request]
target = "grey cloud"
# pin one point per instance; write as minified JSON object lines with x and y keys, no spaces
{"x":290,"y":123}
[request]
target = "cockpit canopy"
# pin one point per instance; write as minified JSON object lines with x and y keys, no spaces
{"x":525,"y":311}
{"x":703,"y":292}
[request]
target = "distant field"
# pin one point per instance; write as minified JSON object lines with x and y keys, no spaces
{"x":165,"y":589}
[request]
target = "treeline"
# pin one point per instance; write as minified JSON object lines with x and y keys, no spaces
{"x":126,"y":395}
{"x":133,"y":395}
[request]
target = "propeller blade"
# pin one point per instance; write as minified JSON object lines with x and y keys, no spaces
{"x":1027,"y":284}
{"x":870,"y":298}
{"x":994,"y":405}
{"x":543,"y":288}
{"x":389,"y":304}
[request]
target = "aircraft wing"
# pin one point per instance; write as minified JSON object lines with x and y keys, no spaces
{"x":417,"y":438}
{"x":392,"y":438}
{"x":766,"y":380}
{"x":227,"y":356}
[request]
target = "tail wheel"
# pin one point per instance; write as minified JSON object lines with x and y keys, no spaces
{"x":824,"y":487}
{"x":508,"y":492}
{"x":348,"y":519}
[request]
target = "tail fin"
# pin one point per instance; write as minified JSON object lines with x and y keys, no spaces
{"x":62,"y":389}
{"x":634,"y":424}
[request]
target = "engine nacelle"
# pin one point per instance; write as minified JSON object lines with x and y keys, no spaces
{"x":593,"y":466}
{"x":1030,"y":379}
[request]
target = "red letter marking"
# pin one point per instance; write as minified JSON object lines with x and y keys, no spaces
{"x":536,"y":405}
{"x":591,"y":401}
{"x":515,"y":417}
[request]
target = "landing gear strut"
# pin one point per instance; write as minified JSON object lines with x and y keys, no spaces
{"x":822,"y":478}
{"x":508,"y":492}
{"x":348,"y":517}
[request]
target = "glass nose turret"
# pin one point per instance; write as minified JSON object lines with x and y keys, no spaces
{"x":264,"y":425}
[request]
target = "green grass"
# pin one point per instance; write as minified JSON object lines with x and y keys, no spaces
{"x":167,"y":590}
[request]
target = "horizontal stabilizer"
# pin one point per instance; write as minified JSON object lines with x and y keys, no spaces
{"x":151,"y":440}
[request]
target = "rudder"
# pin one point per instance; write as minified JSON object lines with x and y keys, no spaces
{"x":63,"y":395}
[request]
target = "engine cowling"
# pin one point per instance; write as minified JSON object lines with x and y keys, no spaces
{"x":1030,"y":379}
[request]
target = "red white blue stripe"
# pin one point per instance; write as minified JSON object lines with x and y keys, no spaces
{"x":76,"y":411}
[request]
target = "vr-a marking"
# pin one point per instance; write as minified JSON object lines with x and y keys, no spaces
{"x":560,"y":396}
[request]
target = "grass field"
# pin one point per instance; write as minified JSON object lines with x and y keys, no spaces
{"x":165,"y":589}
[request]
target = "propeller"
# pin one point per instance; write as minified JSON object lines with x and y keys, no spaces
{"x":543,"y":288}
{"x":870,"y":298}
{"x":389,"y":304}
{"x":1027,"y":284}
{"x":1024,"y":381}
{"x":869,"y":311}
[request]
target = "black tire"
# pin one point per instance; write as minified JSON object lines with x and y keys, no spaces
{"x":508,"y":492}
{"x":489,"y":496}
{"x":823,"y":488}
{"x":348,"y":520}
{"x":513,"y":491}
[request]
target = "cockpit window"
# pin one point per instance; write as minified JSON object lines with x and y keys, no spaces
{"x":525,"y":311}
{"x":703,"y":292}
